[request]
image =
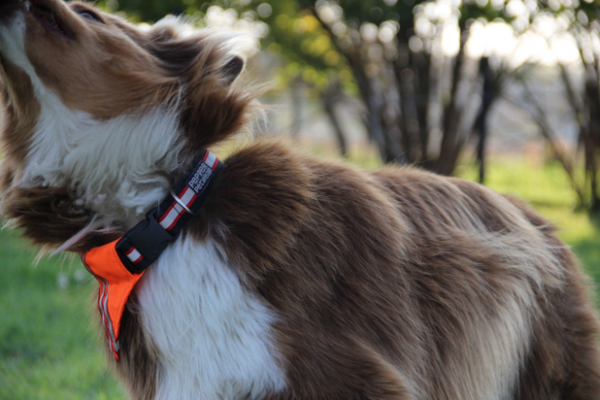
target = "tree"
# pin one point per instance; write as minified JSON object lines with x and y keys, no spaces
{"x":576,"y":25}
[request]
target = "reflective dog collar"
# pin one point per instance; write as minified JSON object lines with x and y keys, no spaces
{"x":119,"y":265}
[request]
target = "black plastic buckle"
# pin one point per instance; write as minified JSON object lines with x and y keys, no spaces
{"x":149,"y":238}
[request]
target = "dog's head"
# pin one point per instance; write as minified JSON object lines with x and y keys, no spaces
{"x":107,"y":112}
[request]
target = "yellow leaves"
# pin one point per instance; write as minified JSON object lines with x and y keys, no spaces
{"x":302,"y":25}
{"x":292,"y":69}
{"x":282,"y":21}
{"x":321,"y":44}
{"x":345,"y":75}
{"x":306,"y":24}
{"x":310,"y":75}
{"x":316,"y":46}
{"x":316,"y":78}
{"x":332,"y":58}
{"x":311,"y":23}
{"x":274,"y":48}
{"x":306,"y":31}
{"x":316,"y":60}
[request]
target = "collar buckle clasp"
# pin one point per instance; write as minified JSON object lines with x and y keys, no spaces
{"x":149,"y":238}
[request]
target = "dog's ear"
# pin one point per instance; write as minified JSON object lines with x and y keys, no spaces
{"x":185,"y":57}
{"x":204,"y":65}
{"x":232,"y":69}
{"x":176,"y":56}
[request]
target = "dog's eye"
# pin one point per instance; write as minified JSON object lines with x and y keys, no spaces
{"x":90,"y":15}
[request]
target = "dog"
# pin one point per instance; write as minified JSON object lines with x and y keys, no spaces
{"x":298,"y":278}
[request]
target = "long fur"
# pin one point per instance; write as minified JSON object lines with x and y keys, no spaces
{"x":300,"y":278}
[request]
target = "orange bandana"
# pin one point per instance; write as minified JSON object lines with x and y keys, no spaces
{"x":116,"y":283}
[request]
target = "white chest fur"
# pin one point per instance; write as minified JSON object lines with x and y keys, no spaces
{"x":213,"y":335}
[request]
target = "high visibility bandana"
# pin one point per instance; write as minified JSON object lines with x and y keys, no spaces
{"x":119,"y":265}
{"x":116,"y":283}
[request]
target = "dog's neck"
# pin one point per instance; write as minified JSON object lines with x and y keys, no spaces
{"x":119,"y":168}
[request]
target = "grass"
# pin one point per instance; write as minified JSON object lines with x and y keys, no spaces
{"x":50,"y":349}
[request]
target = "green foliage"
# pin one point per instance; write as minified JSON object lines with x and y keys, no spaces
{"x":470,"y":11}
{"x":377,"y":11}
{"x":294,"y":34}
{"x":145,"y":10}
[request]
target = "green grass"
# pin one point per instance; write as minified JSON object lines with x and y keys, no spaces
{"x":51,"y":349}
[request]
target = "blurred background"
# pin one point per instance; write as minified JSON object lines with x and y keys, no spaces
{"x":506,"y":93}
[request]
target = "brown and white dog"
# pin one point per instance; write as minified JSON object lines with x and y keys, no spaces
{"x":300,"y":278}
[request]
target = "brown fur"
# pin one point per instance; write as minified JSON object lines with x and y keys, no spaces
{"x":20,"y":112}
{"x":397,"y":265}
{"x":565,"y":350}
{"x":49,"y":216}
{"x":395,"y":284}
{"x":138,"y":365}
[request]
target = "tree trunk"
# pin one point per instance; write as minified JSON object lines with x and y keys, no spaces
{"x":489,"y":94}
{"x":297,"y":107}
{"x":540,"y":116}
{"x":592,"y":141}
{"x":453,"y":112}
{"x":328,"y":100}
{"x":371,"y":97}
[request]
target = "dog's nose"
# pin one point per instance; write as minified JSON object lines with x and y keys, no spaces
{"x":9,"y":2}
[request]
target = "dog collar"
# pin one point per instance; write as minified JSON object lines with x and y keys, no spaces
{"x":119,"y":265}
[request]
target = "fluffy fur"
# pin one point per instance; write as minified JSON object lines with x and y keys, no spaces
{"x":300,"y":278}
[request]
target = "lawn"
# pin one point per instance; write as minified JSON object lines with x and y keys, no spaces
{"x":50,"y":349}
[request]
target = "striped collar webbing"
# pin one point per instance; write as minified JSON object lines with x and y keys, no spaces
{"x":143,"y":244}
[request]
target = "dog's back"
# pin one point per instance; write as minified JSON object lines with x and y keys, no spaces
{"x":401,"y":284}
{"x":506,"y":294}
